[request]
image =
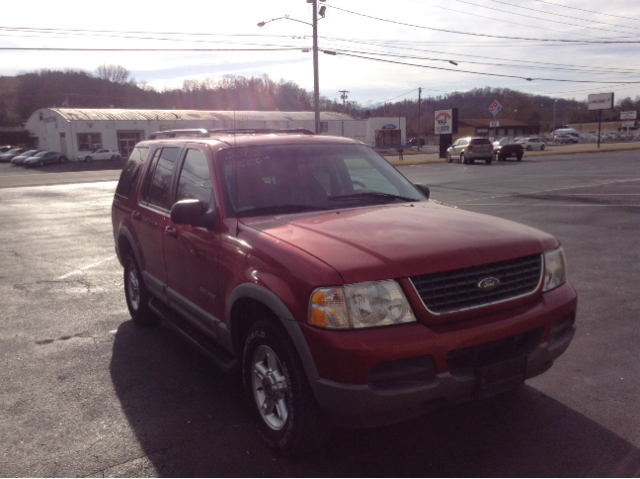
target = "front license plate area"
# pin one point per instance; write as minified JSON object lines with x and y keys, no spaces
{"x":500,"y":377}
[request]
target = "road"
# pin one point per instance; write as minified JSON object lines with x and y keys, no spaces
{"x":87,"y":393}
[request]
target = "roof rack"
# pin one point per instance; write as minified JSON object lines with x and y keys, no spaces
{"x":188,"y":133}
{"x":202,"y":133}
{"x":260,"y":131}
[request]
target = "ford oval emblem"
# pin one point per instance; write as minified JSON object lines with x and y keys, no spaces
{"x":488,"y":284}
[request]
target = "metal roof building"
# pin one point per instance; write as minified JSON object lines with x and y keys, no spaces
{"x":72,"y":130}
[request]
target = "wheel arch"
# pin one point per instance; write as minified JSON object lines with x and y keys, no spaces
{"x":250,"y":302}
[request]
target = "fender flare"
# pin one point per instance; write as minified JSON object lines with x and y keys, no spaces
{"x":124,"y":231}
{"x":270,"y":300}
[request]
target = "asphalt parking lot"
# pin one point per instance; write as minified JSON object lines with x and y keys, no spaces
{"x":87,"y":393}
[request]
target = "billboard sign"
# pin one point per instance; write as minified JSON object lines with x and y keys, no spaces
{"x":444,"y":122}
{"x":495,"y":108}
{"x":628,"y":115}
{"x":601,"y":101}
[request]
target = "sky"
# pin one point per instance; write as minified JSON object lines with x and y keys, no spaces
{"x":384,"y":50}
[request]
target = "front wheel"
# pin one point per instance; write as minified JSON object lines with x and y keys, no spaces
{"x":463,"y":160}
{"x":529,"y":148}
{"x":276,"y":387}
{"x":488,"y":161}
{"x":449,"y":159}
{"x":88,"y":159}
{"x":519,"y":157}
{"x":542,"y":147}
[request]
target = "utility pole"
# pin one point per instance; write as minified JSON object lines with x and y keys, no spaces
{"x":316,"y":80}
{"x":344,"y":98}
{"x":419,"y":93}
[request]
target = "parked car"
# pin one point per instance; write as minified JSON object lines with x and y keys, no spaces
{"x":310,"y":265}
{"x":562,"y":139}
{"x":99,"y":154}
{"x":19,"y":160}
{"x":5,"y":148}
{"x":532,"y":143}
{"x":468,"y":150}
{"x":7,"y":156}
{"x":45,"y":158}
{"x":507,"y":148}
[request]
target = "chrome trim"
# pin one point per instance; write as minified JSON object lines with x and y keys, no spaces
{"x":542,"y":269}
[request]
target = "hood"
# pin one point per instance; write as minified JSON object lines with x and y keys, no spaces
{"x":396,"y":241}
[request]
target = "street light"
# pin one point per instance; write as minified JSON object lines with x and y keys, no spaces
{"x":316,"y":79}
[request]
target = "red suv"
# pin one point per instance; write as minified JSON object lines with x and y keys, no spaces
{"x":332,"y":283}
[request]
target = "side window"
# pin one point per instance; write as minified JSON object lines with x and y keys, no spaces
{"x":130,"y":171}
{"x":162,"y":174}
{"x":147,"y":181}
{"x":195,"y":178}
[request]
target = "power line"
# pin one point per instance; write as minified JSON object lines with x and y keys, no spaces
{"x":45,"y":49}
{"x":588,"y":11}
{"x":543,"y":19}
{"x":478,"y":73}
{"x":581,"y":42}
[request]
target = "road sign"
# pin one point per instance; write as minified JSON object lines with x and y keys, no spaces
{"x":495,"y":108}
{"x":628,"y":115}
{"x":494,"y":124}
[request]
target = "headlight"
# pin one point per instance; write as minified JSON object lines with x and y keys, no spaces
{"x":362,"y":305}
{"x":555,"y":269}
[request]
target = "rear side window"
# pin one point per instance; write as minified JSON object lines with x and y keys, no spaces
{"x":130,"y":171}
{"x":162,"y":174}
{"x":481,"y":141}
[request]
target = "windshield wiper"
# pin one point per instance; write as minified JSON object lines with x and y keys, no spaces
{"x":372,"y":194}
{"x":280,"y":209}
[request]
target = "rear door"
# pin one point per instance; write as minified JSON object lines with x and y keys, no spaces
{"x":151,"y":216}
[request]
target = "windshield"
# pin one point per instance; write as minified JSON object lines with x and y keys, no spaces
{"x":42,"y":153}
{"x":283,"y":179}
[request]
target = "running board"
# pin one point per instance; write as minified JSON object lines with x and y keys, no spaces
{"x":220,"y":356}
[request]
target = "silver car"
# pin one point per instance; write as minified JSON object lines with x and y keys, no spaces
{"x":470,"y":149}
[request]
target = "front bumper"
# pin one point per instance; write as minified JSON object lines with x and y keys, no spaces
{"x":366,"y":404}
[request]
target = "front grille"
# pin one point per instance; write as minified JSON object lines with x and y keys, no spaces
{"x":456,"y":290}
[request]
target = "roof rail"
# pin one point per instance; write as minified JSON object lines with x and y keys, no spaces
{"x":188,"y":133}
{"x":260,"y":131}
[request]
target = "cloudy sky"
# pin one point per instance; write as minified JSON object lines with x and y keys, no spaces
{"x":385,"y":49}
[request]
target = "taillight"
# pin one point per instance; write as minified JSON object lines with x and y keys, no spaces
{"x":490,"y":147}
{"x":471,"y":147}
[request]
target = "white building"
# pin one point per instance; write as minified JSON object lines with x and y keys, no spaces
{"x":71,"y":130}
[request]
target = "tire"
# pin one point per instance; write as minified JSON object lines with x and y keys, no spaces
{"x":286,"y":414}
{"x":542,"y":147}
{"x":519,"y":157}
{"x":488,"y":161}
{"x":113,"y":158}
{"x":88,"y":159}
{"x":137,"y":294}
{"x":449,"y":159}
{"x":463,"y":160}
{"x":529,"y":148}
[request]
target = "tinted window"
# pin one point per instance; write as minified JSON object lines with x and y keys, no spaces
{"x":195,"y":179}
{"x":481,"y":141}
{"x":161,"y":182}
{"x":131,"y":170}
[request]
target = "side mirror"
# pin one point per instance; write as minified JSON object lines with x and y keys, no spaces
{"x":192,"y":212}
{"x":424,"y":189}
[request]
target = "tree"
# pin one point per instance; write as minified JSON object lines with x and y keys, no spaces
{"x":113,"y":73}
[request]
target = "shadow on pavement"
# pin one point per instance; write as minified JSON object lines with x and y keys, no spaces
{"x":191,"y":420}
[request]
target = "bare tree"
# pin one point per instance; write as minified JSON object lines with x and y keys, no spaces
{"x":114,"y":73}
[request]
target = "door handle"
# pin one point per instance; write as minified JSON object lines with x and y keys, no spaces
{"x":171,"y":231}
{"x":136,"y":215}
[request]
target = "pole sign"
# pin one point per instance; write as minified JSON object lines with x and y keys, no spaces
{"x":601,"y":101}
{"x":444,"y":122}
{"x":628,"y":115}
{"x":495,"y":108}
{"x":494,"y":124}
